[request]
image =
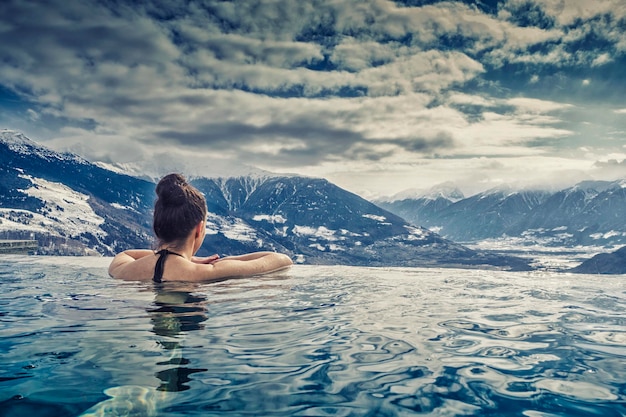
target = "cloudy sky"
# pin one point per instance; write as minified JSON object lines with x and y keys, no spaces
{"x":377,"y":96}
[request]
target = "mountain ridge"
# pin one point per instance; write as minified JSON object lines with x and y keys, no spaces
{"x":589,"y":213}
{"x":311,"y":219}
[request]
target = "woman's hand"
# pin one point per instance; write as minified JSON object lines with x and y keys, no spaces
{"x":206,"y":260}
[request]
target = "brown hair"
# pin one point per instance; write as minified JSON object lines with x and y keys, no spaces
{"x":178,"y":209}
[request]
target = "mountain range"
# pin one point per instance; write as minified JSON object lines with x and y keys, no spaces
{"x":590,"y":213}
{"x":74,"y":207}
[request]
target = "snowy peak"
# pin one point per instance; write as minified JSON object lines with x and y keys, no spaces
{"x":237,"y":191}
{"x":154,"y":166}
{"x":21,"y":144}
{"x":593,"y":186}
{"x":447,"y":191}
{"x":16,"y":141}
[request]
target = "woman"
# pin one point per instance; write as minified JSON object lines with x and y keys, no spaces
{"x":180,"y":225}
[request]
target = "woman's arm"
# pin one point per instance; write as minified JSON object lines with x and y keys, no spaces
{"x":245,"y":265}
{"x":251,"y":256}
{"x":216,"y":258}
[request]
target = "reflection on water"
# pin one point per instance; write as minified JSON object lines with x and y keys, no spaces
{"x":176,"y":312}
{"x":313,"y":341}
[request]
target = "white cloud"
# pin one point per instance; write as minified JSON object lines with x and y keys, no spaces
{"x":532,"y":105}
{"x":32,"y":115}
{"x":356,"y":55}
{"x":602,"y":59}
{"x":307,"y":87}
{"x":507,"y":134}
{"x":460,"y":98}
{"x":567,"y":11}
{"x":245,"y":50}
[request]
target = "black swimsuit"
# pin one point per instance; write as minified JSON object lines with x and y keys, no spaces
{"x":160,"y":264}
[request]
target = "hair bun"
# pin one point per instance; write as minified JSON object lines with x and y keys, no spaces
{"x":171,"y":190}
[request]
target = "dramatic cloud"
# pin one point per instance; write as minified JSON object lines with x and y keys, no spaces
{"x":375,"y":95}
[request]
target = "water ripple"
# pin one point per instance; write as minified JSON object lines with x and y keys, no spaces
{"x":314,"y":341}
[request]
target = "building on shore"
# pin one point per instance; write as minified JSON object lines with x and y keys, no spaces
{"x":24,"y":247}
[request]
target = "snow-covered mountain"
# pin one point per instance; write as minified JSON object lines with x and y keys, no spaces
{"x":422,"y":207}
{"x":590,"y":213}
{"x":72,"y":206}
{"x":68,"y":204}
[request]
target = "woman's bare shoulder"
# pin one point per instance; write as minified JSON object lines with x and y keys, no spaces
{"x":128,"y":266}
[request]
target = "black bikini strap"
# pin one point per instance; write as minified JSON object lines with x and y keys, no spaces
{"x":160,"y":264}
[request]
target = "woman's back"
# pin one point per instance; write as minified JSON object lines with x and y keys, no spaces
{"x":179,"y":223}
{"x":141,"y":265}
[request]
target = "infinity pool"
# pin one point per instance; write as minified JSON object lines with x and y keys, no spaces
{"x":310,"y":341}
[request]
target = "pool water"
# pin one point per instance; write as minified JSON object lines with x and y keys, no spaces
{"x":310,"y":341}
